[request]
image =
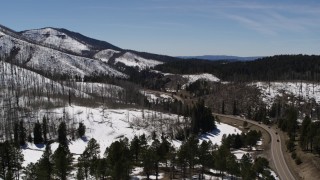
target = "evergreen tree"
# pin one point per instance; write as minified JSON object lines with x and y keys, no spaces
{"x":30,"y":172}
{"x":11,"y":159}
{"x":22,"y":134}
{"x":45,"y":129}
{"x":62,"y":160}
{"x":89,"y":157}
{"x":247,"y":172}
{"x":118,"y":158}
{"x":148,"y":160}
{"x":202,"y":119}
{"x":233,"y":167}
{"x":62,"y":134}
{"x":135,"y":148}
{"x":220,"y":159}
{"x":44,"y":166}
{"x":81,"y":130}
{"x":37,"y":133}
{"x":205,"y":157}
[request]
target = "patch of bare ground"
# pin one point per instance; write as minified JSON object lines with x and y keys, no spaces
{"x":309,"y":169}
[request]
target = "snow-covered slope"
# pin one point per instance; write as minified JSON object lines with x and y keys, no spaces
{"x":298,"y":89}
{"x":51,"y":61}
{"x":106,"y":54}
{"x":194,"y":77}
{"x":52,"y":37}
{"x":109,"y":125}
{"x":133,"y":60}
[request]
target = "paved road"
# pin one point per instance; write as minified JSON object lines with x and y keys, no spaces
{"x":276,"y":150}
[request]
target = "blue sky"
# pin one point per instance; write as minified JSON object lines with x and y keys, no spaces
{"x":180,"y":27}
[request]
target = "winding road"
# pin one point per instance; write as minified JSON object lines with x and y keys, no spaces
{"x":276,"y":150}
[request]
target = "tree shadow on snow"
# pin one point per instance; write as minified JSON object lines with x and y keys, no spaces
{"x":84,"y":138}
{"x":212,"y":133}
{"x":39,"y":145}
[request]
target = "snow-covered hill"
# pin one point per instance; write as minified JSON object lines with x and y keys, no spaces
{"x":52,"y":37}
{"x":106,"y":54}
{"x":133,"y":60}
{"x":51,"y":61}
{"x":194,"y":77}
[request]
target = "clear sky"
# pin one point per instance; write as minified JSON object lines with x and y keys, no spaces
{"x":180,"y":27}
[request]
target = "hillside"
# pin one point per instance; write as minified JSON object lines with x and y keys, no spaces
{"x":50,"y":61}
{"x":106,"y":112}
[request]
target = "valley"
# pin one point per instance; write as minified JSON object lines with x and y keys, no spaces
{"x":78,"y":108}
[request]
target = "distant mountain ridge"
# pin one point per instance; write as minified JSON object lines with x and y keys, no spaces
{"x":222,"y":57}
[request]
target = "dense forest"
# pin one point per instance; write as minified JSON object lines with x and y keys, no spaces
{"x":275,"y":68}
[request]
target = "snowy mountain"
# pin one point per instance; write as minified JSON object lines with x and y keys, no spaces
{"x":50,"y":36}
{"x":77,"y":44}
{"x":51,"y":61}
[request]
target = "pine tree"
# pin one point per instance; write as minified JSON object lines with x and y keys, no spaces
{"x":81,"y":130}
{"x":89,"y":157}
{"x":30,"y":171}
{"x":45,"y":165}
{"x":62,"y":134}
{"x":62,"y":160}
{"x":37,"y":133}
{"x":11,"y":159}
{"x":118,"y":157}
{"x":205,"y":157}
{"x":246,"y":167}
{"x":45,"y":128}
{"x":135,"y":148}
{"x":22,"y":134}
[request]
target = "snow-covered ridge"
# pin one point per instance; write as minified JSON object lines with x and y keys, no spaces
{"x":303,"y":89}
{"x":50,"y":36}
{"x":52,"y":61}
{"x":106,"y":54}
{"x":133,"y":60}
{"x":194,"y":77}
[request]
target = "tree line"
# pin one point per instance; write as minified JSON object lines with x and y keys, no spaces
{"x":275,"y":68}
